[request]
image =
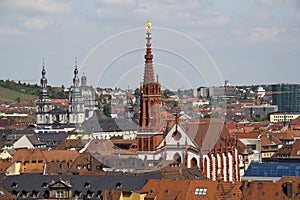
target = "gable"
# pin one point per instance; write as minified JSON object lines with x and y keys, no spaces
{"x":23,"y":142}
{"x":178,"y":136}
{"x":60,"y":184}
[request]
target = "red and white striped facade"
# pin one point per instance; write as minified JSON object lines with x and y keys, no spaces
{"x":222,"y":164}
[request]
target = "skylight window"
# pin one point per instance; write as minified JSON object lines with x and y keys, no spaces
{"x":200,"y":191}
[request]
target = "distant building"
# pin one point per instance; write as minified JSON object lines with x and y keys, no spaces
{"x":286,"y":97}
{"x":282,"y":117}
{"x":217,"y":92}
{"x":259,"y":111}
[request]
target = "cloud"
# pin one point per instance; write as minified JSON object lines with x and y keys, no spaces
{"x":41,"y":6}
{"x":278,"y":2}
{"x":104,"y":12}
{"x":168,"y":10}
{"x":210,"y":19}
{"x":264,"y":34}
{"x":35,"y":24}
{"x":11,"y":31}
{"x":118,"y":2}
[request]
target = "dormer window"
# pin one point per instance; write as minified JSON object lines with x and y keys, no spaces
{"x":16,"y":193}
{"x":14,"y":185}
{"x":45,"y":185}
{"x":90,"y":194}
{"x":35,"y":194}
{"x":87,"y":185}
{"x":24,"y":194}
{"x":77,"y":194}
{"x":119,"y":185}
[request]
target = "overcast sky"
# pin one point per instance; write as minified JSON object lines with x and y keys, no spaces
{"x":195,"y":42}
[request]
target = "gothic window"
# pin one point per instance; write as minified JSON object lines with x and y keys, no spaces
{"x":194,"y":162}
{"x":176,"y":135}
{"x":177,"y":157}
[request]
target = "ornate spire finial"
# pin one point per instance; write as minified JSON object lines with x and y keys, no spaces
{"x":43,"y":70}
{"x":76,"y":62}
{"x":148,"y":26}
{"x":149,"y":70}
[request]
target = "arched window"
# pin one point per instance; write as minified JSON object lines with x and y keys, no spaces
{"x":194,"y":162}
{"x":177,"y":157}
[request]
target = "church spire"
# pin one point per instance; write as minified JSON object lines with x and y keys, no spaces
{"x":44,"y":90}
{"x":44,"y":79}
{"x":149,"y":70}
{"x":76,"y":78}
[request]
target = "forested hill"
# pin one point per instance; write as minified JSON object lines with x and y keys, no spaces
{"x":13,"y":91}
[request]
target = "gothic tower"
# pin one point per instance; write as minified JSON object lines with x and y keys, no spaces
{"x":44,"y":104}
{"x":149,"y":134}
{"x":150,"y":101}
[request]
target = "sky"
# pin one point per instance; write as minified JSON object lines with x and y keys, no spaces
{"x":195,"y":42}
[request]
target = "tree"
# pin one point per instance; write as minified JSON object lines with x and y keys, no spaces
{"x":18,"y":99}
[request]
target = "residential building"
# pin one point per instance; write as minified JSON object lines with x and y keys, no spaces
{"x":283,"y":117}
{"x":286,"y":187}
{"x":74,"y":187}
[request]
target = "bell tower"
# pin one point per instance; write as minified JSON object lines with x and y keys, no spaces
{"x":151,"y":101}
{"x":150,"y":133}
{"x":44,"y":104}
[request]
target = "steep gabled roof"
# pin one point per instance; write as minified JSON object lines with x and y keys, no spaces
{"x":205,"y":132}
{"x":81,"y":183}
{"x":295,"y":151}
{"x":29,"y":155}
{"x":100,"y":123}
{"x":60,"y":155}
{"x":70,"y":144}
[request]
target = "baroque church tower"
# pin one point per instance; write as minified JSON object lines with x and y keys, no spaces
{"x":150,"y":124}
{"x":83,"y":99}
{"x":44,"y":104}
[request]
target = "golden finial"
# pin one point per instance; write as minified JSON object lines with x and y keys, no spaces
{"x":148,"y":26}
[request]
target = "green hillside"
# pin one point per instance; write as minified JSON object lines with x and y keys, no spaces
{"x":11,"y":95}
